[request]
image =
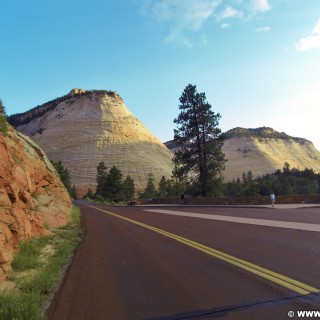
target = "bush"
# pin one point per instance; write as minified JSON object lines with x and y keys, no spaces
{"x":3,"y":125}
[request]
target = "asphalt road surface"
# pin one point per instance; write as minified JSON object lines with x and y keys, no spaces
{"x":192,"y":263}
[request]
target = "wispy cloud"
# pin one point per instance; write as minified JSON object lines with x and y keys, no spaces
{"x":261,"y":5}
{"x":230,"y":12}
{"x":310,"y":42}
{"x":186,"y":18}
{"x":225,"y":25}
{"x":182,"y":16}
{"x":263,"y":29}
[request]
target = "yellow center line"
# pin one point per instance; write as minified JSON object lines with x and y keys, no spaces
{"x":272,"y":276}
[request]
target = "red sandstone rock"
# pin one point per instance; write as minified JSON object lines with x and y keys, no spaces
{"x":31,"y":195}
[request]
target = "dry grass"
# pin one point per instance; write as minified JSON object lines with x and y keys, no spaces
{"x":36,"y":269}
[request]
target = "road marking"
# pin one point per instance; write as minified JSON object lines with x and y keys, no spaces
{"x":258,"y":222}
{"x":272,"y":276}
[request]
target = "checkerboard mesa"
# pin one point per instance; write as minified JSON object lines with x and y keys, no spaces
{"x":86,"y":127}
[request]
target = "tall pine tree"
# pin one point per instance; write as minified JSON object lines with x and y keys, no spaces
{"x":128,"y":188}
{"x":113,"y":186}
{"x":200,"y":139}
{"x":101,"y":179}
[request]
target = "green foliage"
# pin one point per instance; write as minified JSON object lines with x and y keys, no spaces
{"x":128,"y":188}
{"x":3,"y":125}
{"x":101,"y":179}
{"x":89,"y":194}
{"x":201,"y":141}
{"x":27,"y":302}
{"x":73,"y":192}
{"x":27,"y":257}
{"x":163,"y":186}
{"x":150,"y":190}
{"x":288,"y":181}
{"x":111,"y":187}
{"x":65,"y":178}
{"x":2,"y":108}
{"x":174,"y":187}
{"x":21,"y":306}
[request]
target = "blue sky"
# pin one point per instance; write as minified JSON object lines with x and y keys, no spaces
{"x":258,"y":61}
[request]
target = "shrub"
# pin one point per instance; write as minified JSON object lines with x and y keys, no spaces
{"x":3,"y":125}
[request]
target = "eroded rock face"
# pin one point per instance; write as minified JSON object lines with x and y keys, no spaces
{"x":262,"y":151}
{"x":266,"y":155}
{"x":32,"y":197}
{"x":87,"y":127}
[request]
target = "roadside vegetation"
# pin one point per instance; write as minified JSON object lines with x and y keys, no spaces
{"x":111,"y":187}
{"x":65,"y":178}
{"x":3,"y":120}
{"x":283,"y":182}
{"x":36,"y":269}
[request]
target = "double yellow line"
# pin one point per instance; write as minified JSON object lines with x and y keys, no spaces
{"x":275,"y":277}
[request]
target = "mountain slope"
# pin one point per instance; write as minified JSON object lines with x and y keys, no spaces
{"x":86,"y":127}
{"x":264,"y":150}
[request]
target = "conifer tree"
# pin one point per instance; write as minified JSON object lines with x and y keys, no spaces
{"x":101,"y":179}
{"x":113,"y":185}
{"x":200,"y":140}
{"x":163,"y":186}
{"x":63,"y":174}
{"x":150,"y":190}
{"x":128,"y":188}
{"x":3,"y":121}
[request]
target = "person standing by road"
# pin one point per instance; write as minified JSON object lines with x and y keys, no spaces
{"x":272,"y":198}
{"x":182,"y":198}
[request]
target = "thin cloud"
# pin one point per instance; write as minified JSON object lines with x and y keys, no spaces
{"x":185,"y":18}
{"x":230,"y":12}
{"x":263,"y":29}
{"x":310,"y":42}
{"x":183,"y":14}
{"x":261,"y":5}
{"x":182,"y":17}
{"x":225,"y":25}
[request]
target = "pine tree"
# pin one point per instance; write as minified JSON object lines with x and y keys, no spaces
{"x":73,"y":192}
{"x":163,"y":186}
{"x":113,"y":186}
{"x":200,"y":140}
{"x":150,"y":190}
{"x":2,"y":109}
{"x":3,"y":121}
{"x":128,"y":188}
{"x":101,"y":179}
{"x":63,"y":174}
{"x":89,"y":194}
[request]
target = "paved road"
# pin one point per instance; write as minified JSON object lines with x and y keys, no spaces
{"x":137,"y":264}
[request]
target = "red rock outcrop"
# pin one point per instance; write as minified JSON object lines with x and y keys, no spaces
{"x":32,"y":197}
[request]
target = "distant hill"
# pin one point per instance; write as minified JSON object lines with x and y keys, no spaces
{"x":84,"y":128}
{"x":262,"y":132}
{"x":264,"y":150}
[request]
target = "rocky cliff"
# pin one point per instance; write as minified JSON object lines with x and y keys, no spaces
{"x":32,"y":197}
{"x":264,"y":150}
{"x":84,"y":128}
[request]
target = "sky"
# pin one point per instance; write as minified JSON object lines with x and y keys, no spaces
{"x":258,"y":61}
